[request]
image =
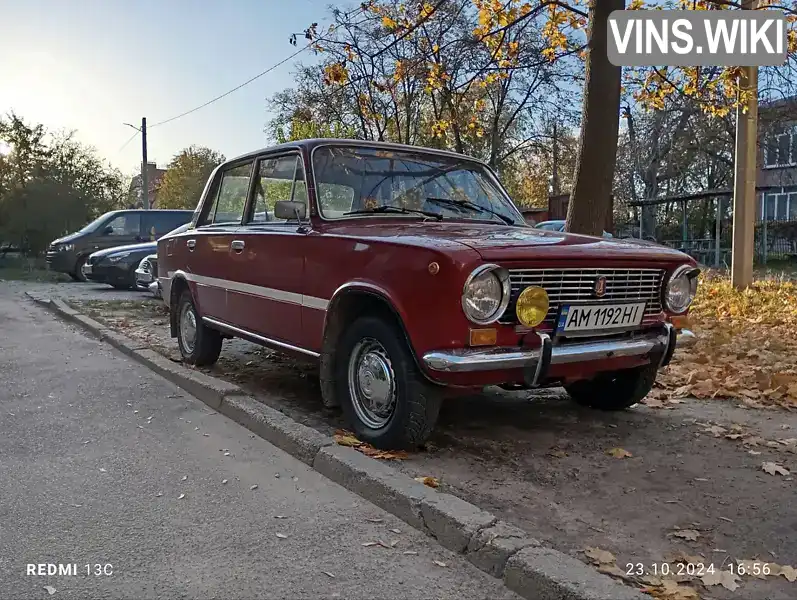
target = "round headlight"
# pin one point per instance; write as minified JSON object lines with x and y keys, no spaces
{"x":532,"y":306}
{"x":486,"y":294}
{"x":681,"y":289}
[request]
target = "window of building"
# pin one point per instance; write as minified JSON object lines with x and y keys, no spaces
{"x":780,"y":149}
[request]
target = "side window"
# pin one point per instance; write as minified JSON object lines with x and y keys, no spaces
{"x":125,"y":225}
{"x":230,"y":197}
{"x":278,"y":179}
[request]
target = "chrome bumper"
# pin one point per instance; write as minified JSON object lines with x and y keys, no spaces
{"x":143,"y":277}
{"x":468,"y":360}
{"x":154,"y":288}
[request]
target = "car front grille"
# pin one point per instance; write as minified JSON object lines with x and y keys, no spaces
{"x":568,"y":286}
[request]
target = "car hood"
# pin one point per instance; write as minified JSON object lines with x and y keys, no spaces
{"x":498,"y":242}
{"x":67,"y":238}
{"x":144,"y":249}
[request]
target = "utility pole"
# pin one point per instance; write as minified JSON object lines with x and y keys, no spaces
{"x":745,"y":175}
{"x":144,"y":164}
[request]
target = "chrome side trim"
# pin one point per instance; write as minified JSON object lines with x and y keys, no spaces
{"x":504,"y":358}
{"x":257,"y":338}
{"x":259,"y":291}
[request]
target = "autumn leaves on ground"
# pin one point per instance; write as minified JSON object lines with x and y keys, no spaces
{"x":746,"y":346}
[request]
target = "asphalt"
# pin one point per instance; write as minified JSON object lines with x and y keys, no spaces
{"x":103,"y":462}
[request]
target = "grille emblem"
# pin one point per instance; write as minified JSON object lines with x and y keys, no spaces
{"x":599,"y":289}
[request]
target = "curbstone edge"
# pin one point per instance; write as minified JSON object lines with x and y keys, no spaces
{"x":452,"y":520}
{"x":546,"y":574}
{"x":208,"y":389}
{"x":294,"y":438}
{"x":378,"y":483}
{"x":491,"y":548}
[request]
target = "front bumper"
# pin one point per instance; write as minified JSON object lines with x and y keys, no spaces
{"x":107,"y":273}
{"x":61,"y":262}
{"x":658,"y":344}
{"x":143,"y":278}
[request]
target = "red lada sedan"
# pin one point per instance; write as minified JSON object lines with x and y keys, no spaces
{"x":410,"y":275}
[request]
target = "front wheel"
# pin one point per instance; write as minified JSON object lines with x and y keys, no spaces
{"x":384,"y":396}
{"x":616,"y":390}
{"x":78,"y":274}
{"x":200,"y":345}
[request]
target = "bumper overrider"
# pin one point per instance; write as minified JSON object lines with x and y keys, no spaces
{"x":658,"y":345}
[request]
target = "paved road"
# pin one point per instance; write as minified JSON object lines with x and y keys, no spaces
{"x":96,"y":453}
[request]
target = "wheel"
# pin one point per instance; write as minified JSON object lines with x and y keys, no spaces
{"x":78,"y":275}
{"x":616,"y":390}
{"x":384,"y":396}
{"x":200,"y":345}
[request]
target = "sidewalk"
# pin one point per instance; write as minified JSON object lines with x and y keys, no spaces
{"x":104,"y":462}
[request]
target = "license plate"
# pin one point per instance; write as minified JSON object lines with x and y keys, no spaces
{"x":87,"y":268}
{"x":585,"y":318}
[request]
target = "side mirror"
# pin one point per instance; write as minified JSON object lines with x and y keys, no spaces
{"x":290,"y":211}
{"x":107,"y":231}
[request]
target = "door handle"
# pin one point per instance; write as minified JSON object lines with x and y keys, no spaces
{"x":191,"y":245}
{"x":237,"y":246}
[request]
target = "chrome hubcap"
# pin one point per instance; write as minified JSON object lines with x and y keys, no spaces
{"x":188,"y":327}
{"x":372,"y":383}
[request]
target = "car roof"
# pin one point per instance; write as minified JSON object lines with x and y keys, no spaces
{"x":310,"y":144}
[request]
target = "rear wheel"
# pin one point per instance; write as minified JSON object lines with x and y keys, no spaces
{"x":384,"y":396}
{"x":200,"y":345}
{"x":616,"y":390}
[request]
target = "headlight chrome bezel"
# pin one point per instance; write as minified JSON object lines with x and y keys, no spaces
{"x":66,"y":247}
{"x":499,"y":273}
{"x":690,"y":273}
{"x":115,"y":258}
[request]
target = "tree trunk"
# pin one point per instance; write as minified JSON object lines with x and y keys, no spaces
{"x":589,"y":209}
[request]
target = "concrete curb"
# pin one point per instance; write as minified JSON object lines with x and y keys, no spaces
{"x":495,"y":547}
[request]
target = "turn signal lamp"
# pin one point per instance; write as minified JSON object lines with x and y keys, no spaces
{"x":483,"y":337}
{"x":532,"y":306}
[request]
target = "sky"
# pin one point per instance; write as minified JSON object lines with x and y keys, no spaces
{"x":92,"y":65}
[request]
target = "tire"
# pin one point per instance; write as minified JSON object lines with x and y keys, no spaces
{"x":373,"y":345}
{"x":78,"y":274}
{"x":205,"y":347}
{"x":616,"y":390}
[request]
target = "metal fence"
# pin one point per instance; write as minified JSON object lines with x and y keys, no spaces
{"x":703,"y":228}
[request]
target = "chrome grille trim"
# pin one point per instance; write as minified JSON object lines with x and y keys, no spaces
{"x":576,"y":285}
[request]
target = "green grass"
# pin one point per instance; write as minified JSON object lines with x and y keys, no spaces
{"x":29,"y":269}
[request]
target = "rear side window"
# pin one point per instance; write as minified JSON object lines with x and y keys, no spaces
{"x":159,"y":223}
{"x":230,"y":196}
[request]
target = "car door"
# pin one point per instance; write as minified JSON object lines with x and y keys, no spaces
{"x":121,"y":230}
{"x":268,"y":261}
{"x":210,"y":244}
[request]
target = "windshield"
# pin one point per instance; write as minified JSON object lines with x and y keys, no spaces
{"x":418,"y":184}
{"x":93,"y":225}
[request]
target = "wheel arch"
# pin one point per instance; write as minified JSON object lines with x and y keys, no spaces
{"x":347,"y":303}
{"x":179,"y":284}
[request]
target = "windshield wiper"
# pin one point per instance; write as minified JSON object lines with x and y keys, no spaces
{"x":472,"y":206}
{"x":395,"y":209}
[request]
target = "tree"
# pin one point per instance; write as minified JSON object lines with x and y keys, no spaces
{"x":186,"y":176}
{"x":50,"y":184}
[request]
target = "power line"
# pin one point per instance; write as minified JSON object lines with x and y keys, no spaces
{"x":247,"y":82}
{"x":128,"y":141}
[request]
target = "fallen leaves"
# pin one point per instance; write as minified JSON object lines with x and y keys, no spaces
{"x":774,"y":468}
{"x":619,"y":453}
{"x":440,"y":563}
{"x":346,"y":438}
{"x":746,"y":346}
{"x":50,"y":589}
{"x":724,"y":577}
{"x":432,"y":482}
{"x":686,"y":534}
{"x":282,"y":536}
{"x":598,"y":556}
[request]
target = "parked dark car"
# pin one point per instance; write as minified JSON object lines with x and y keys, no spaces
{"x":117,"y":228}
{"x":117,"y":266}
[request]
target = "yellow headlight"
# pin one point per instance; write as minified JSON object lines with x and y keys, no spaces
{"x":532,"y":306}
